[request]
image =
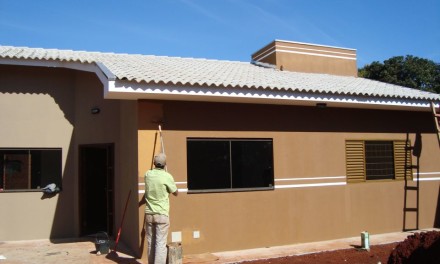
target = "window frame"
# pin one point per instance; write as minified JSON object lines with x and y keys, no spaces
{"x":55,"y":169}
{"x":356,"y":160}
{"x":231,"y":169}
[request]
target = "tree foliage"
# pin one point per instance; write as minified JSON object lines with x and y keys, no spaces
{"x":408,"y":71}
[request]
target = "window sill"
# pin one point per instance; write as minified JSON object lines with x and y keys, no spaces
{"x":21,"y":191}
{"x":231,"y":190}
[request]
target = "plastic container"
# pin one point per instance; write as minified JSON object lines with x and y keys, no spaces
{"x":365,"y":240}
{"x":102,"y":243}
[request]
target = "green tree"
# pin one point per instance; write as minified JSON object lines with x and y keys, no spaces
{"x":408,"y":71}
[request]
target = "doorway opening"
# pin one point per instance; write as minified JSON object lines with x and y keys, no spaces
{"x":96,"y":188}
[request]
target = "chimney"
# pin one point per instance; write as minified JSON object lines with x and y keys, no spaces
{"x":306,"y":57}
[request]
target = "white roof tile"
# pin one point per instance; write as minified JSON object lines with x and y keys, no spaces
{"x":222,"y":74}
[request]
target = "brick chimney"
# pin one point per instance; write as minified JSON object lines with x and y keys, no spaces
{"x":305,"y":57}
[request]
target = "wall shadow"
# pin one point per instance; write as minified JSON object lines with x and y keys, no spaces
{"x":437,"y":214}
{"x":203,"y":116}
{"x":409,"y":189}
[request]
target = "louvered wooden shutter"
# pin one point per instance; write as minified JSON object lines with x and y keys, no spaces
{"x":400,"y":153}
{"x":355,"y":153}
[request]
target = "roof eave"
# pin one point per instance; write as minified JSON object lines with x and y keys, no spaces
{"x":102,"y":72}
{"x":135,"y":91}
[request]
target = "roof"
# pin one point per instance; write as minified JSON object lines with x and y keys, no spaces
{"x":137,"y":74}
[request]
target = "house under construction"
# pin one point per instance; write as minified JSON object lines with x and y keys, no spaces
{"x":291,"y":147}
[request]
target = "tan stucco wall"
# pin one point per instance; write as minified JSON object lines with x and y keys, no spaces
{"x":126,"y":179}
{"x":312,"y":64}
{"x":305,"y":57}
{"x":309,"y":146}
{"x":51,"y":107}
{"x":37,"y":112}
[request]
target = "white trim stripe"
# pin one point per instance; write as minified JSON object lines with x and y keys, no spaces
{"x":312,"y":44}
{"x":311,"y":178}
{"x":287,"y":186}
{"x":273,"y":49}
{"x":319,"y":50}
{"x":183,"y":190}
{"x":272,"y":44}
{"x":428,"y":173}
{"x":427,"y":179}
{"x":259,"y":56}
{"x":177,"y":183}
{"x":307,"y":53}
{"x":309,"y":185}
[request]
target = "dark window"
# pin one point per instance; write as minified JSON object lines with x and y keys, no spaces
{"x":29,"y":169}
{"x":229,"y":164}
{"x":379,"y":160}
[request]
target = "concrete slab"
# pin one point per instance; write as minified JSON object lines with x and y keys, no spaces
{"x":59,"y":251}
{"x":82,"y":251}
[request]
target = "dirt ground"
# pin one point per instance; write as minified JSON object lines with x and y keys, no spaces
{"x":418,"y":248}
{"x":376,"y":254}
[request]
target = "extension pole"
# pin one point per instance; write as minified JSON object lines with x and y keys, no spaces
{"x":161,"y":140}
{"x":122,"y":222}
{"x":162,"y":145}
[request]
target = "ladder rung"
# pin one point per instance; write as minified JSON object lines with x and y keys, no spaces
{"x":412,"y":188}
{"x":412,"y":167}
{"x":410,"y":209}
{"x":409,"y":148}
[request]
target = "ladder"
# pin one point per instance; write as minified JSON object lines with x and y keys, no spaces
{"x":411,"y":195}
{"x":436,"y":116}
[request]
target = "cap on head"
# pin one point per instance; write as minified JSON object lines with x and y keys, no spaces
{"x":160,"y":160}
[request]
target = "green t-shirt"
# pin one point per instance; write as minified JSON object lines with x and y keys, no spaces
{"x":158,"y":185}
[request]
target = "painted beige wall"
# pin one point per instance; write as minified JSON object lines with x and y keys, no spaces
{"x":309,"y":146}
{"x":50,"y":107}
{"x":37,"y":112}
{"x":304,"y":57}
{"x":312,"y":64}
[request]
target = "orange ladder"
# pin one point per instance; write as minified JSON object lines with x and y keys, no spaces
{"x":436,"y":116}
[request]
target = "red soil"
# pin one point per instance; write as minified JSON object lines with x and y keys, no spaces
{"x":418,"y":248}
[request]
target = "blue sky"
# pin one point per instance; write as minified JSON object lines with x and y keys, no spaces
{"x":224,"y":29}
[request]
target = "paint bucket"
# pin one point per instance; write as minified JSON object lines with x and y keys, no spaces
{"x":102,"y":243}
{"x":175,"y":255}
{"x":365,"y":240}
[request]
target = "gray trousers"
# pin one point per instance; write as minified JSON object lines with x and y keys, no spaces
{"x":157,"y":234}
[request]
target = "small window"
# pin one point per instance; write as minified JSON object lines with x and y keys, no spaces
{"x":379,"y":160}
{"x":229,"y":164}
{"x":29,"y":169}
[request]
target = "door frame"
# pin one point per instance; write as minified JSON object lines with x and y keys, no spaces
{"x":110,"y":184}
